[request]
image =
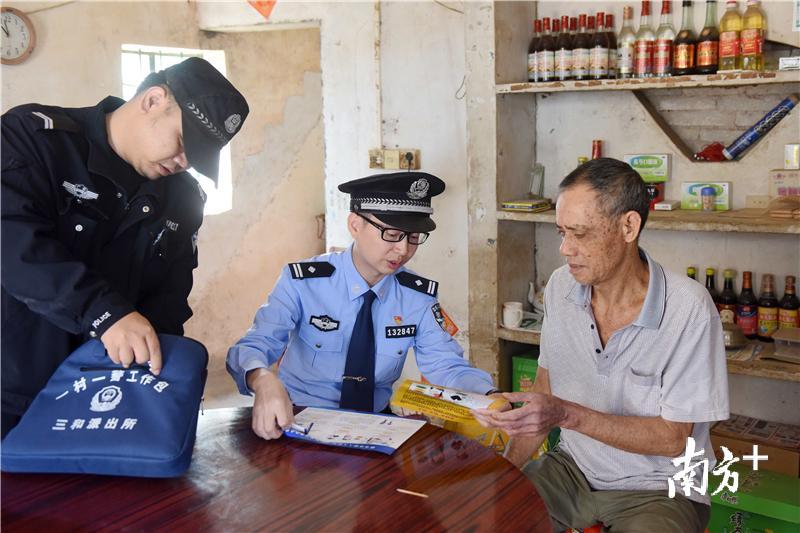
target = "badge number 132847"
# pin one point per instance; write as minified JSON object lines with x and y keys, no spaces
{"x":17,"y":36}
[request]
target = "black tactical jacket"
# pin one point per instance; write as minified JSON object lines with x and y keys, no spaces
{"x":85,"y":241}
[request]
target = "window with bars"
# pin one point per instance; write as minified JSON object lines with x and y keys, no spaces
{"x":137,"y":62}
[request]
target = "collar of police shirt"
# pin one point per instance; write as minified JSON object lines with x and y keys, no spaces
{"x":355,"y":282}
{"x":103,"y":159}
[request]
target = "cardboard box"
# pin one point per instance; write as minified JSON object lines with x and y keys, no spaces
{"x":690,"y":194}
{"x":653,"y":168}
{"x":780,"y":442}
{"x":784,"y":182}
{"x":763,"y":501}
{"x":523,"y":373}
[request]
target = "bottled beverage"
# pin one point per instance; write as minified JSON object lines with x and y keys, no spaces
{"x":683,"y":48}
{"x":612,"y":47}
{"x":727,"y":299}
{"x":564,"y":51}
{"x":789,"y":306}
{"x":708,"y":42}
{"x":747,"y":307}
{"x":598,"y":60}
{"x":643,"y":47}
{"x":692,"y":273}
{"x":767,"y":309}
{"x":546,"y":53}
{"x":625,"y":45}
{"x":711,"y":285}
{"x":573,"y":28}
{"x":533,"y":62}
{"x":754,"y":28}
{"x":730,"y":56}
{"x":580,"y":51}
{"x":582,"y":159}
{"x":597,"y":148}
{"x":665,"y":34}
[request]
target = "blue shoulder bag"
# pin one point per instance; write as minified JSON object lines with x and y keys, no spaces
{"x":95,"y":417}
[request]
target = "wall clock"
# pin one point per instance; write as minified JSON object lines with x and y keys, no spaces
{"x":17,"y":36}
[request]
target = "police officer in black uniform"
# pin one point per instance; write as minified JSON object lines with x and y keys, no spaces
{"x":100,"y":220}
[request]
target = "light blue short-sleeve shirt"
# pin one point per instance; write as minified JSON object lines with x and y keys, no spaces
{"x":308,"y":321}
{"x":669,"y":363}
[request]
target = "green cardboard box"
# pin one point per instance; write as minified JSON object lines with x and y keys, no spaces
{"x":523,"y":373}
{"x":653,"y":168}
{"x":765,"y":501}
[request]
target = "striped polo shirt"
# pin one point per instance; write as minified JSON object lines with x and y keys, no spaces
{"x":669,"y":362}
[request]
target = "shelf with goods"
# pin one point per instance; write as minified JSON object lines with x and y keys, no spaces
{"x":501,"y":146}
{"x":736,"y":220}
{"x":721,"y":79}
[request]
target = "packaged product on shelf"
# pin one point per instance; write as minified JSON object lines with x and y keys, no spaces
{"x":667,"y":205}
{"x":656,"y":193}
{"x":691,"y":194}
{"x":791,"y":156}
{"x":784,"y":182}
{"x":653,"y":168}
{"x":760,"y":128}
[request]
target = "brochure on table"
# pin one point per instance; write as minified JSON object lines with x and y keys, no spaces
{"x":349,"y":429}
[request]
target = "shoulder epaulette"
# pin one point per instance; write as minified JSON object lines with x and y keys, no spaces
{"x":314,"y":269}
{"x":54,"y":121}
{"x":418,"y":283}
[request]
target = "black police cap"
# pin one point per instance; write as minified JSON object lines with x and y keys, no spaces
{"x":212,"y":111}
{"x":401,"y":200}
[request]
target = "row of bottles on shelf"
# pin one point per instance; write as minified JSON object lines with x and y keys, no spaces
{"x":586,"y":47}
{"x":757,"y":317}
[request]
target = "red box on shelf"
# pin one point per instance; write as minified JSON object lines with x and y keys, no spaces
{"x":656,"y":192}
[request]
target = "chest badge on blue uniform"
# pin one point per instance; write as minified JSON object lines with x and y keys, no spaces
{"x":324,"y":323}
{"x":80,"y":190}
{"x":397,"y":332}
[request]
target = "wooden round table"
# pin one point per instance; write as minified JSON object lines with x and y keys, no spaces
{"x":239,"y":482}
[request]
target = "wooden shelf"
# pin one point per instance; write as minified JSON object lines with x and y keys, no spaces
{"x":731,"y":79}
{"x":516,"y":335}
{"x":766,"y":368}
{"x":736,"y":221}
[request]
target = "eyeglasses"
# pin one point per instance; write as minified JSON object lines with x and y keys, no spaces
{"x":395,"y":235}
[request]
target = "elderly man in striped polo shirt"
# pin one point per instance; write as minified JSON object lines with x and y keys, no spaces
{"x":632,"y":364}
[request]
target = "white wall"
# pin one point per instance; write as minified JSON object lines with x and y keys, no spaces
{"x":390,"y":73}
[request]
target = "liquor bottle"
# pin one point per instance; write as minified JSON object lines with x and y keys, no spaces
{"x":711,"y":285}
{"x":564,"y":51}
{"x":625,"y":45}
{"x":754,"y":28}
{"x":573,"y":28}
{"x":684,"y":44}
{"x":747,"y":307}
{"x":727,"y":299}
{"x":692,"y":273}
{"x":643,"y":47}
{"x":708,"y":42}
{"x":730,"y":55}
{"x":767,"y":309}
{"x":789,"y":307}
{"x":533,"y":62}
{"x":580,"y":51}
{"x":612,"y":46}
{"x":665,"y":34}
{"x":598,"y":58}
{"x":546,"y":53}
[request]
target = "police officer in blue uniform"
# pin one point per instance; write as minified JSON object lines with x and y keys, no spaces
{"x":343,"y":322}
{"x":99,"y":221}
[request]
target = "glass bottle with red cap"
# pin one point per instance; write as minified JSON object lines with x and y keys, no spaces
{"x":580,"y":51}
{"x":598,"y":58}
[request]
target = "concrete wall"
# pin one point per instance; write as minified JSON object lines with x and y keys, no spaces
{"x":392,"y":75}
{"x":277,"y":157}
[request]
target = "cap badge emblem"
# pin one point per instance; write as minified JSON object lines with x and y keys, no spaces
{"x":419,"y":189}
{"x":232,"y":123}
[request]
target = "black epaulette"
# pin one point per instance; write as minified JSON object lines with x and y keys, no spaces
{"x":318,"y":269}
{"x":418,"y":283}
{"x":54,"y":121}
